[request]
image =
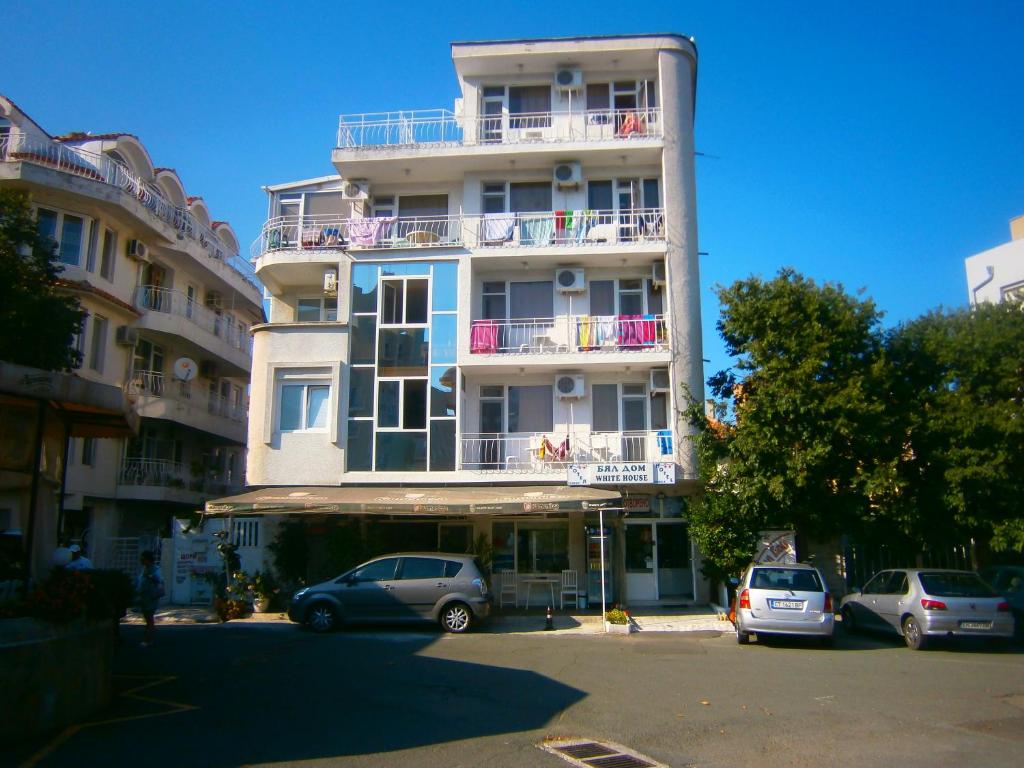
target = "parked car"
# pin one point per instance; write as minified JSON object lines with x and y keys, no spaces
{"x":1008,"y":580}
{"x":783,"y":599}
{"x":403,"y":587}
{"x":924,"y":603}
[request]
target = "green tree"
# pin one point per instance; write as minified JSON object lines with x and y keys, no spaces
{"x":38,"y":321}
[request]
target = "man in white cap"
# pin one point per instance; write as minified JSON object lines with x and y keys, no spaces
{"x":79,"y":562}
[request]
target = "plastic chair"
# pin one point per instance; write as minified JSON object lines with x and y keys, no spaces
{"x":508,"y":583}
{"x":570,"y":584}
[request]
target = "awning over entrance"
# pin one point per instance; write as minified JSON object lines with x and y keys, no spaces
{"x":464,"y":500}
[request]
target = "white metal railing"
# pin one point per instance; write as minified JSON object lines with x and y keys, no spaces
{"x":565,"y":228}
{"x":154,"y":472}
{"x":331,"y":231}
{"x":20,"y":147}
{"x":174,"y":302}
{"x":552,"y":452}
{"x":154,"y":384}
{"x":438,"y":126}
{"x":569,"y":333}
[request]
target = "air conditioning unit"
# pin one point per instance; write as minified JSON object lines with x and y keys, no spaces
{"x":570,"y":386}
{"x":658,"y":274}
{"x":659,"y":380}
{"x":568,"y":79}
{"x":568,"y":175}
{"x":570,"y":280}
{"x":136,"y":249}
{"x":330,"y":281}
{"x":214,"y":299}
{"x":127,"y":336}
{"x":208,"y":369}
{"x":356,"y":189}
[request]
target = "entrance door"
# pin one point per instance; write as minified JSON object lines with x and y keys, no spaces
{"x":641,"y":575}
{"x":675,"y":577}
{"x":658,"y":566}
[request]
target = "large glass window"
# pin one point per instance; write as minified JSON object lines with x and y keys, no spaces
{"x":67,"y":230}
{"x":317,"y":309}
{"x":530,"y":409}
{"x":303,"y":399}
{"x":531,"y":300}
{"x":530,"y":197}
{"x":108,"y":256}
{"x":445,"y":287}
{"x":402,"y":352}
{"x":401,"y":451}
{"x":98,"y":347}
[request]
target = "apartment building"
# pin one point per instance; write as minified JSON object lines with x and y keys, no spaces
{"x":997,"y":274}
{"x":484,"y":327}
{"x":169,"y":305}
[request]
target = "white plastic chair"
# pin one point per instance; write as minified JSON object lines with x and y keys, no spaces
{"x":570,"y":584}
{"x":508,"y":583}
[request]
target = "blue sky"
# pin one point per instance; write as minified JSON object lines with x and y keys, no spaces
{"x":873,"y":144}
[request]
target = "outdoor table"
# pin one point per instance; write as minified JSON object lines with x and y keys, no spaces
{"x":541,"y":580}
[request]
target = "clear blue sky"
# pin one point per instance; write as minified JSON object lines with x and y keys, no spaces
{"x":874,"y":144}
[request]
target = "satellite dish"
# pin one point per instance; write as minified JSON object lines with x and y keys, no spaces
{"x":185,"y":369}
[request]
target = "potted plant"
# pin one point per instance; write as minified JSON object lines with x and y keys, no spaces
{"x":617,"y":621}
{"x":263,"y":590}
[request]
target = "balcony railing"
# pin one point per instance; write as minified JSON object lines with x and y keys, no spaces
{"x":569,"y":333}
{"x":173,"y":302}
{"x":153,"y":384}
{"x":563,"y":229}
{"x":20,"y":147}
{"x":551,"y":453}
{"x":437,"y":127}
{"x":159,"y":473}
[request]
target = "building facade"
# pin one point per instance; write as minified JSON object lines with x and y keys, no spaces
{"x":168,"y":304}
{"x":997,"y":274}
{"x":502,"y":296}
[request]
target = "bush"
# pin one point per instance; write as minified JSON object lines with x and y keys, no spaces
{"x":69,"y":595}
{"x":228,"y":608}
{"x":617,"y":616}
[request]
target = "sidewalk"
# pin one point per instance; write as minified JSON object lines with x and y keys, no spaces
{"x":502,"y":621}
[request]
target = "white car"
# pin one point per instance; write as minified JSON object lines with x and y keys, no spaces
{"x":783,"y":599}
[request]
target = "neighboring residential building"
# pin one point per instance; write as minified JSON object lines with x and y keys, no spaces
{"x":169,"y":305}
{"x":997,"y":274}
{"x":488,"y":310}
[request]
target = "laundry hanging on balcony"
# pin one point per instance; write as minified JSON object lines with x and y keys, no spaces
{"x":370,"y":231}
{"x":498,"y":227}
{"x":483,"y":337}
{"x":548,"y":451}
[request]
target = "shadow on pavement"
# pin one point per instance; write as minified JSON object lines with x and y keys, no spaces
{"x":218,"y":695}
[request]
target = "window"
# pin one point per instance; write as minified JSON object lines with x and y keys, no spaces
{"x":494,"y":197}
{"x":90,"y":256}
{"x":529,"y":100}
{"x":320,"y":309}
{"x":531,"y":409}
{"x":66,"y":230}
{"x":381,"y":570}
{"x":303,"y":401}
{"x":422,"y":568}
{"x":530,"y":196}
{"x":78,"y":342}
{"x":403,"y":302}
{"x":108,"y":256}
{"x":88,"y":451}
{"x":402,"y":404}
{"x":530,"y":547}
{"x":98,"y":347}
{"x":786,"y":579}
{"x":495,"y":301}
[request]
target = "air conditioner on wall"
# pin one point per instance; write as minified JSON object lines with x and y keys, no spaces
{"x":568,"y":175}
{"x":330,"y":281}
{"x":658,"y":274}
{"x":127,"y":336}
{"x":136,"y":249}
{"x":356,"y":189}
{"x":659,"y":380}
{"x":570,"y":386}
{"x":570,"y":280}
{"x":568,"y":79}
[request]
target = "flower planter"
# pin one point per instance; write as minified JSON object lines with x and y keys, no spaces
{"x":261,"y":604}
{"x":619,"y":629}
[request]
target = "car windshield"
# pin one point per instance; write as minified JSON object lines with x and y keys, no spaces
{"x":788,"y":579}
{"x":955,"y":585}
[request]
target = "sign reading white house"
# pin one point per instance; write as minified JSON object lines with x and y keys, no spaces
{"x":622,"y":473}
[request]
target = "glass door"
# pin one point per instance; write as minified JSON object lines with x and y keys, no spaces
{"x":675,"y":577}
{"x":658,"y":566}
{"x":641,"y":580}
{"x":492,"y":114}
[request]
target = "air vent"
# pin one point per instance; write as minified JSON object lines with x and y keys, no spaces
{"x":568,"y":175}
{"x":570,"y":386}
{"x":568,"y":79}
{"x":570,"y":280}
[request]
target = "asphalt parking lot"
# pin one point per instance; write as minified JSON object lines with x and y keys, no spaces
{"x":272,"y":694}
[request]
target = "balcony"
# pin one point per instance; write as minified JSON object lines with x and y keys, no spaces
{"x":170,"y":302}
{"x":550,"y":229}
{"x":439,"y":127}
{"x":551,"y":454}
{"x":157,"y":479}
{"x":569,"y":333}
{"x":159,"y":397}
{"x":19,"y":147}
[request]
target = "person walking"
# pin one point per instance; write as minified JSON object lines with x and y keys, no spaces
{"x":150,"y":588}
{"x":79,"y":562}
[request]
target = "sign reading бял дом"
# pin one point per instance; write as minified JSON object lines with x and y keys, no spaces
{"x":622,"y":473}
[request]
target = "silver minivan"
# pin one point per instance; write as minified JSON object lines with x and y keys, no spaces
{"x":404,"y":587}
{"x":783,"y":599}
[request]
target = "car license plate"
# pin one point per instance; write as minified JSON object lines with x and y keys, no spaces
{"x":975,"y":625}
{"x":786,"y":605}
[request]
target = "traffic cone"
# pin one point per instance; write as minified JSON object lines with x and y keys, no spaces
{"x":549,"y":622}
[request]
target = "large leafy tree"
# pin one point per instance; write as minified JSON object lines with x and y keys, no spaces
{"x":38,"y":321}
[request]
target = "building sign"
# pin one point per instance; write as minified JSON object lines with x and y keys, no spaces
{"x":622,"y":473}
{"x":637,"y":504}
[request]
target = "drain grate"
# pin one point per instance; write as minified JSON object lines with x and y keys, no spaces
{"x":597,"y":754}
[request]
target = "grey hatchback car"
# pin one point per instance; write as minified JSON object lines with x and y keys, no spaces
{"x":924,"y":603}
{"x":403,"y":587}
{"x":783,"y":599}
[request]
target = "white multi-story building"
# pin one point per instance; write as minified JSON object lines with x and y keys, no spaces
{"x":997,"y":274}
{"x":489,"y":309}
{"x":169,"y":304}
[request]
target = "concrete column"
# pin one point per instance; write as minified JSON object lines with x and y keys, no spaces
{"x":676,"y":70}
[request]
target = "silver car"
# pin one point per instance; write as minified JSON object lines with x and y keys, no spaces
{"x":924,"y":603}
{"x":404,"y":587}
{"x":783,"y":599}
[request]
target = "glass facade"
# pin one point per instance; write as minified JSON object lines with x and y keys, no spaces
{"x":403,"y":381}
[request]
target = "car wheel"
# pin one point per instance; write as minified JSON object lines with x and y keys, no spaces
{"x":912,"y":634}
{"x":849,"y":622}
{"x":321,"y":618}
{"x":456,"y":617}
{"x":743,"y":638}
